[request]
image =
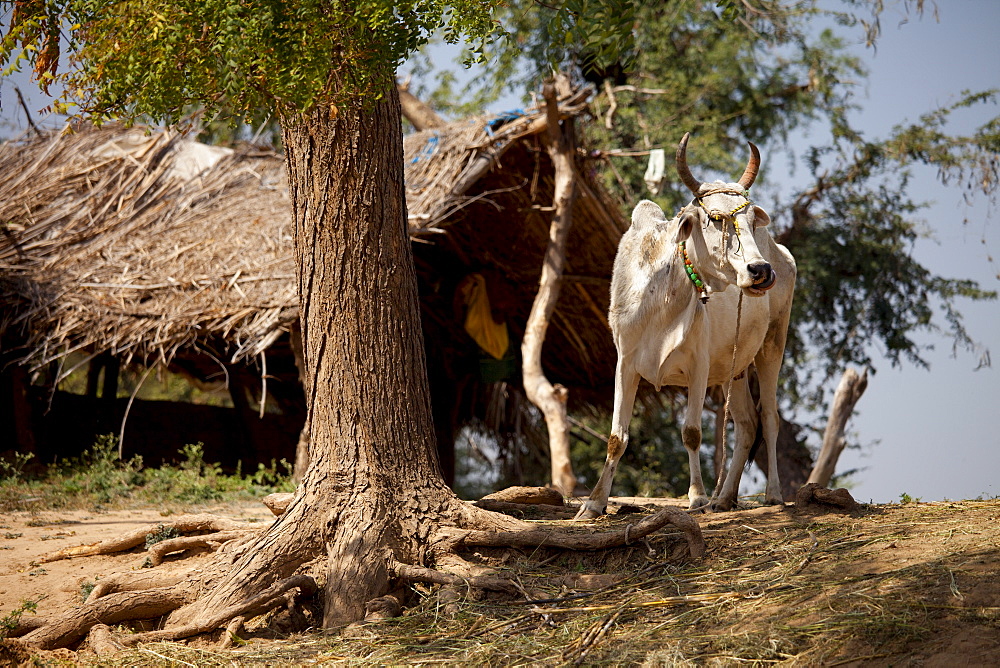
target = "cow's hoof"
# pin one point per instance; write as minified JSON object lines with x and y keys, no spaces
{"x":773,"y":501}
{"x":699,"y":505}
{"x":720,"y":506}
{"x":588,"y":512}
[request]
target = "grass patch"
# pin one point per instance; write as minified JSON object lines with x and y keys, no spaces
{"x":99,"y":480}
{"x":10,"y":621}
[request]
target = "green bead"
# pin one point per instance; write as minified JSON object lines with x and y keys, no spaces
{"x":697,"y":282}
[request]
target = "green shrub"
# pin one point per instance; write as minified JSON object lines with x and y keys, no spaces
{"x":98,"y":478}
{"x":10,"y":621}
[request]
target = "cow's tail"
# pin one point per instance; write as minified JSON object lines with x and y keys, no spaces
{"x":758,"y":440}
{"x":758,"y":437}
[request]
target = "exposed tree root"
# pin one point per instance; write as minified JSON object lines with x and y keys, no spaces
{"x":577,"y":541}
{"x":136,"y":537}
{"x":814,"y":494}
{"x":430,"y":575}
{"x":528,"y":495}
{"x":232,"y":634}
{"x":139,"y":595}
{"x":213,"y":541}
{"x":271,"y":598}
{"x":131,"y":581}
{"x":102,"y":640}
{"x":95,"y":617}
{"x":533,"y":510}
{"x":111,"y":609}
{"x":278,"y":502}
{"x":383,"y":607}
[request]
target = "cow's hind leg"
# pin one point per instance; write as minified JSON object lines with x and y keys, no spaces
{"x":768,"y":363}
{"x":744,"y":414}
{"x":626,"y":384}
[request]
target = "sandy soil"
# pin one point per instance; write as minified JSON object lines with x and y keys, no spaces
{"x":27,"y":536}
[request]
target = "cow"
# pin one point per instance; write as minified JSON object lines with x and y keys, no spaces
{"x":694,"y":302}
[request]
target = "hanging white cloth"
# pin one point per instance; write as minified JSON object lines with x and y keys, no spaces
{"x":655,"y":170}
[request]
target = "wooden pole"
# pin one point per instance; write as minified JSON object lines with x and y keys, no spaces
{"x":549,"y":398}
{"x":416,"y":111}
{"x":849,"y":391}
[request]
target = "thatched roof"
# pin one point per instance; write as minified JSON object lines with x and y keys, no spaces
{"x":146,"y":244}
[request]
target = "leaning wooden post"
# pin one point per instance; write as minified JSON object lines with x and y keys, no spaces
{"x":549,"y":398}
{"x":416,"y":111}
{"x":850,"y":389}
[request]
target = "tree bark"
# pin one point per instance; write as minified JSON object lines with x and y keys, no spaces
{"x":372,"y":490}
{"x":849,"y":391}
{"x":549,"y":398}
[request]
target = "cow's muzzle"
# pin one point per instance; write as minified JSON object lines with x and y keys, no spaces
{"x":765,"y":283}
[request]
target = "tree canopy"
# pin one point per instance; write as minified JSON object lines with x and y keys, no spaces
{"x":157,"y":58}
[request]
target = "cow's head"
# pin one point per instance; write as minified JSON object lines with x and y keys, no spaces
{"x":720,"y":224}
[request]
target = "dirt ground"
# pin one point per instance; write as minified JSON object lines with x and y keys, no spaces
{"x":916,"y":584}
{"x":26,"y":536}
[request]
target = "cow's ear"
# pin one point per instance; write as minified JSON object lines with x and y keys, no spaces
{"x":647,"y":213}
{"x":686,"y":220}
{"x":760,"y":217}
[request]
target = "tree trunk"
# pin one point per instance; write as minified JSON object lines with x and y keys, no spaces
{"x":549,"y":398}
{"x":372,"y":490}
{"x":849,"y":391}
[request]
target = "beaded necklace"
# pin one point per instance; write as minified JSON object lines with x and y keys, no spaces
{"x":692,"y":274}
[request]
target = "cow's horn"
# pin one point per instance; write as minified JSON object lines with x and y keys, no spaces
{"x":687,"y":177}
{"x":752,"y":167}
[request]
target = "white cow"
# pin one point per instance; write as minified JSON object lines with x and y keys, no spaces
{"x":674,"y":320}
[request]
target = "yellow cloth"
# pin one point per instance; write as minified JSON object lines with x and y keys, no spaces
{"x":490,"y":335}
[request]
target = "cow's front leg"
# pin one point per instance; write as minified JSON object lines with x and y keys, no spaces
{"x":626,"y":384}
{"x":691,"y":435}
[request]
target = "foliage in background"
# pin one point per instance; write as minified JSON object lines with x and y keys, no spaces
{"x":653,"y":465}
{"x":98,"y":479}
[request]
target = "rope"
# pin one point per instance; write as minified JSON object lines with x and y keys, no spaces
{"x":721,"y":190}
{"x":732,"y":370}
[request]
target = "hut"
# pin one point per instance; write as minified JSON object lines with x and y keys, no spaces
{"x":141,"y":247}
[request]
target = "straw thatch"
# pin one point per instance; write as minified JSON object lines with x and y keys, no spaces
{"x":146,"y":245}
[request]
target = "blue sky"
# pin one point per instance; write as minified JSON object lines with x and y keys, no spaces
{"x":928,"y":434}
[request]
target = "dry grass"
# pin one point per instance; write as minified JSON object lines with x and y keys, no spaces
{"x":891,"y":586}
